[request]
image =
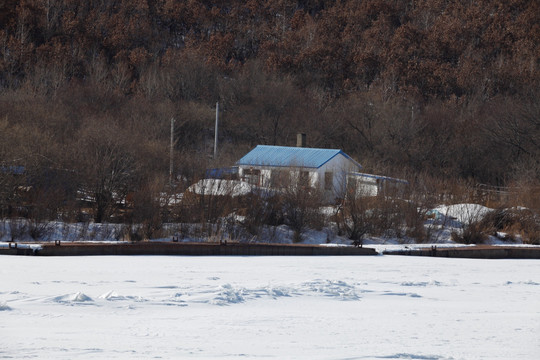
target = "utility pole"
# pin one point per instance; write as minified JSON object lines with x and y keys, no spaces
{"x":171,"y":154}
{"x":216,"y":130}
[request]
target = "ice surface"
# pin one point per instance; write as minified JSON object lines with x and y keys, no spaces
{"x":372,"y":307}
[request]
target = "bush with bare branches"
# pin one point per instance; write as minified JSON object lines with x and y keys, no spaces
{"x":301,"y":203}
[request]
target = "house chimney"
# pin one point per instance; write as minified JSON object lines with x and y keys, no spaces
{"x":300,"y":140}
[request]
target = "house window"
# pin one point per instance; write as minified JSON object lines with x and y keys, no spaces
{"x":328,"y":180}
{"x":303,"y":179}
{"x":252,"y":176}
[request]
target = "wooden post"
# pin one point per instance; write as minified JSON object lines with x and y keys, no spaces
{"x":216,"y":130}
{"x":171,"y":153}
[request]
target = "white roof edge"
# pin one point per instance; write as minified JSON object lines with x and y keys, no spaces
{"x":378,"y":177}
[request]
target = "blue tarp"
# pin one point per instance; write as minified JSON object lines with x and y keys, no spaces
{"x":12,"y":169}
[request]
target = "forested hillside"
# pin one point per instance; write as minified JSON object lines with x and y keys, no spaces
{"x":445,"y":89}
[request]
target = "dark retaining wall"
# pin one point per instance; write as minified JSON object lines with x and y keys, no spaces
{"x":238,"y":249}
{"x":192,"y":249}
{"x":16,"y":251}
{"x":474,"y":252}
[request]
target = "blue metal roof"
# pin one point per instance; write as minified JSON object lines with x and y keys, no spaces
{"x":284,"y":156}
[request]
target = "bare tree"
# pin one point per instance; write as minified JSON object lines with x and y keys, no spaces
{"x":516,"y":126}
{"x":301,"y":201}
{"x":354,"y":215}
{"x":107,"y":166}
{"x":265,"y":106}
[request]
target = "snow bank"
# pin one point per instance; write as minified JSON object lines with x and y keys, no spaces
{"x":217,"y":187}
{"x":443,"y":221}
{"x":77,"y":297}
{"x":21,"y":246}
{"x":464,"y":213}
{"x":114,"y":296}
{"x":19,"y":229}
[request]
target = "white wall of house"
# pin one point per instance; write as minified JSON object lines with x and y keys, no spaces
{"x":339,"y":167}
{"x":330,"y":178}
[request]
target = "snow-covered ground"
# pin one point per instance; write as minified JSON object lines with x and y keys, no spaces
{"x":372,"y":307}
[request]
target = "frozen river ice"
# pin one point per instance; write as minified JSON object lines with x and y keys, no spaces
{"x":372,"y":307}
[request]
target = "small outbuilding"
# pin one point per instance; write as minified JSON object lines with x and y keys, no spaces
{"x":374,"y":185}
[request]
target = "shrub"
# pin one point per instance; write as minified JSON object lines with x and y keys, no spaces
{"x":471,"y":234}
{"x":515,"y":222}
{"x":300,"y":208}
{"x":355,"y":216}
{"x":39,"y":230}
{"x":18,"y":228}
{"x":257,"y":212}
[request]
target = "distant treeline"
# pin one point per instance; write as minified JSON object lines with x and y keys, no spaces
{"x":423,"y":50}
{"x":445,"y":89}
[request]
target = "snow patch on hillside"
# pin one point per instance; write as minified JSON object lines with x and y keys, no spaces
{"x":464,"y":213}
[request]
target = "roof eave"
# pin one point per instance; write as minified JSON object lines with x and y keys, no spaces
{"x":344,"y":155}
{"x":279,"y":166}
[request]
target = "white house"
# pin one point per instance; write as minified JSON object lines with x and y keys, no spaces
{"x":276,"y":166}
